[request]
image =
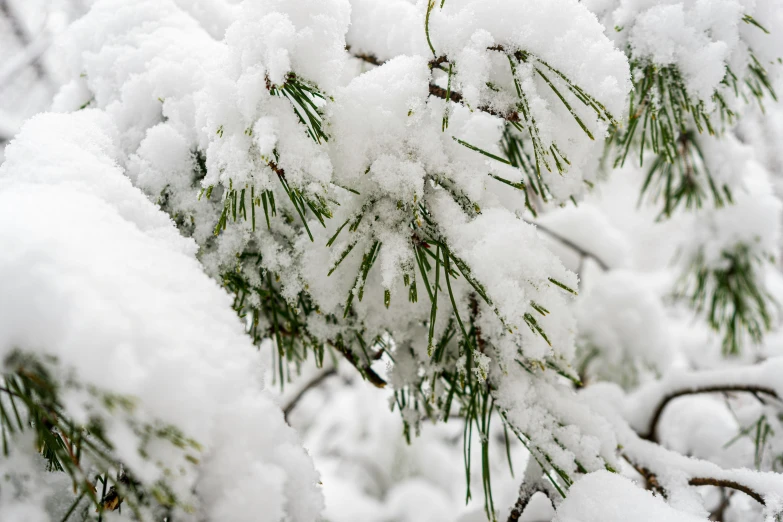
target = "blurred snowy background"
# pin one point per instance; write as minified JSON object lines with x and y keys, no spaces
{"x":30,"y":73}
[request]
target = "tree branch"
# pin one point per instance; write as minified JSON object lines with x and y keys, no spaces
{"x":315,"y":382}
{"x":365,"y":57}
{"x":531,"y":484}
{"x":651,"y":431}
{"x":570,"y":244}
{"x":653,"y":484}
{"x":364,"y":369}
{"x":456,"y":97}
{"x":650,"y":479}
{"x":525,"y":496}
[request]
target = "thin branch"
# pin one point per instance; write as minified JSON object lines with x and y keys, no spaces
{"x":366,"y":57}
{"x":20,"y":61}
{"x":730,"y":484}
{"x":314,"y":383}
{"x":439,"y":92}
{"x":717,"y":514}
{"x":531,"y":484}
{"x":435,"y":63}
{"x":364,"y":369}
{"x":653,"y":484}
{"x":456,"y":97}
{"x":525,"y":496}
{"x":9,"y":392}
{"x":650,"y":479}
{"x":747,"y":388}
{"x":573,"y":246}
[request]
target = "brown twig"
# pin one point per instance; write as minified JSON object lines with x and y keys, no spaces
{"x":525,"y":496}
{"x":653,"y":484}
{"x":439,"y":92}
{"x":367,"y":58}
{"x":747,"y":388}
{"x":370,"y":58}
{"x":650,"y":479}
{"x":717,"y":514}
{"x":456,"y":97}
{"x":364,"y":369}
{"x":730,"y":484}
{"x":314,"y":383}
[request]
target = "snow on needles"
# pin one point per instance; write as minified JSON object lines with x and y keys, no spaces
{"x":700,"y":38}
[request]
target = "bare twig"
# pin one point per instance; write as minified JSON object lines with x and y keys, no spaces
{"x":364,"y":369}
{"x":583,"y":252}
{"x":747,"y":388}
{"x":435,"y":63}
{"x":314,"y":383}
{"x":367,"y":58}
{"x":730,"y":484}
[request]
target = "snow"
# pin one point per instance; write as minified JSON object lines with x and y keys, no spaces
{"x":98,"y":277}
{"x":699,"y":38}
{"x":623,"y":325}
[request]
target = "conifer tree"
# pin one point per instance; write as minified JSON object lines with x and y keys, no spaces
{"x":371,"y":183}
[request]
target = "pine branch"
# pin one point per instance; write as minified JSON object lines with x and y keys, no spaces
{"x":683,"y":179}
{"x":733,"y":296}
